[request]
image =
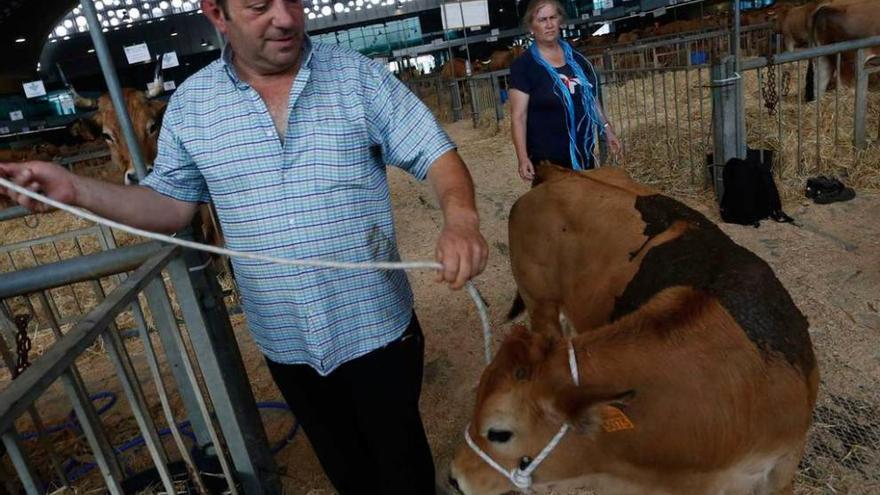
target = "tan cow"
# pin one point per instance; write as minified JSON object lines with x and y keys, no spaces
{"x":457,"y":68}
{"x":503,"y":59}
{"x":691,"y":372}
{"x":795,"y":24}
{"x":843,"y":20}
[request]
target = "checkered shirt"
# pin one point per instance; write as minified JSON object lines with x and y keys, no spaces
{"x":320,"y":193}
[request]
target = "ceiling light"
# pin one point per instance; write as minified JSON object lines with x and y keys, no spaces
{"x":163,"y":5}
{"x":338,"y":7}
{"x":157,"y":12}
{"x":81,"y":21}
{"x":187,"y":6}
{"x":99,"y":6}
{"x":114,"y":22}
{"x":68,"y":24}
{"x":311,"y":15}
{"x":326,"y":10}
{"x":176,"y":3}
{"x":134,"y":13}
{"x":174,"y":33}
{"x":20,"y":40}
{"x":91,"y":50}
{"x":60,"y":31}
{"x":66,"y":38}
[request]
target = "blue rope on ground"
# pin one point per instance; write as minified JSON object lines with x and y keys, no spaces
{"x":74,"y":469}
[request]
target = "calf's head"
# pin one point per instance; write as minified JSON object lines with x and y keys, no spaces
{"x":525,"y":396}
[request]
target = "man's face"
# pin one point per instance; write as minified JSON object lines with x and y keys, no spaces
{"x":266,"y":35}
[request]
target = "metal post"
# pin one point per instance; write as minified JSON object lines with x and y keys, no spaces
{"x":106,"y":61}
{"x":226,"y":379}
{"x":860,"y":111}
{"x":21,"y":462}
{"x":726,"y":128}
{"x":496,"y":93}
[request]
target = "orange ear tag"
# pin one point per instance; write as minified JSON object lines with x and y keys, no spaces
{"x":613,"y":420}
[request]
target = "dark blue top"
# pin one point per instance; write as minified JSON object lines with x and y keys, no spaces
{"x":546,"y":130}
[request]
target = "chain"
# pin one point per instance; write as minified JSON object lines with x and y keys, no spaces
{"x":786,"y":82}
{"x":22,"y":344}
{"x":768,"y":92}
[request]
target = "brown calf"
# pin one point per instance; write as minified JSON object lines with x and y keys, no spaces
{"x":696,"y":370}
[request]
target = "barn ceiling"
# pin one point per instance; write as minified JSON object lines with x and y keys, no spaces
{"x":29,"y":20}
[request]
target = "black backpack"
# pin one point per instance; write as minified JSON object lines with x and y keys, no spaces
{"x":750,"y":194}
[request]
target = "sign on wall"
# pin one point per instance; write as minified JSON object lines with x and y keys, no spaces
{"x":169,"y":60}
{"x":170,"y":86}
{"x":458,"y":15}
{"x":34,"y":89}
{"x":137,"y":54}
{"x":16,"y":115}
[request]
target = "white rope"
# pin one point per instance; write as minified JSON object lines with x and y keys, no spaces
{"x":522,"y":478}
{"x":379,"y":265}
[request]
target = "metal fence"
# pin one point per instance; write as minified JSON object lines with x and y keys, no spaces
{"x":217,"y":377}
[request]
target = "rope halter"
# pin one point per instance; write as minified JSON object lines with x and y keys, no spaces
{"x":521,"y":476}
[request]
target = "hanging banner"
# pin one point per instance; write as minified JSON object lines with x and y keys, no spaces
{"x":34,"y":89}
{"x":458,"y":15}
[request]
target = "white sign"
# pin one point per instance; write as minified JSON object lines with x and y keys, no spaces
{"x":597,"y":12}
{"x":458,"y":15}
{"x":68,"y":106}
{"x":495,"y":32}
{"x":169,"y":60}
{"x":170,"y":86}
{"x":16,"y":115}
{"x":137,"y":54}
{"x":659,"y":12}
{"x":585,"y":16}
{"x":4,"y":130}
{"x":34,"y":89}
{"x":492,"y":39}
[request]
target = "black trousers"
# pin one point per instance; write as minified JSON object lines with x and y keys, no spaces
{"x":363,"y":419}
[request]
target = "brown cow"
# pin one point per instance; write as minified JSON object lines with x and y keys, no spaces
{"x":503,"y":59}
{"x":843,"y":20}
{"x":146,"y":118}
{"x":457,"y":68}
{"x":692,"y":369}
{"x":795,"y":24}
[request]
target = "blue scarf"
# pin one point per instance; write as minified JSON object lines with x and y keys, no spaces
{"x":591,"y":111}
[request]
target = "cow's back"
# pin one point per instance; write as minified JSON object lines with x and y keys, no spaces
{"x":596,"y":246}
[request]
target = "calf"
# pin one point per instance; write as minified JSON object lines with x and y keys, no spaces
{"x":690,"y":370}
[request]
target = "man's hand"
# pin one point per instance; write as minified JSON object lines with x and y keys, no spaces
{"x":462,"y":251}
{"x":46,"y":178}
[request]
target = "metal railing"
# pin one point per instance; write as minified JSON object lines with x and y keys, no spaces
{"x":252,"y":468}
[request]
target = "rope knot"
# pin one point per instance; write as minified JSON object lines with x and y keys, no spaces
{"x":521,"y":479}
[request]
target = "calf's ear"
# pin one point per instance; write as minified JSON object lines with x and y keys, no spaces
{"x":589,"y":408}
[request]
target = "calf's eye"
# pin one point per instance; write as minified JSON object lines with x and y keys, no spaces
{"x":499,"y":436}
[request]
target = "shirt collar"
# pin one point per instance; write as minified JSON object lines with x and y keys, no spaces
{"x":226,"y":58}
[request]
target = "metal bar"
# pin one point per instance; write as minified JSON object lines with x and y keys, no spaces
{"x":799,"y":166}
{"x":105,"y":456}
{"x":75,"y":270}
{"x":687,"y":90}
{"x":779,"y":111}
{"x":818,"y":112}
{"x":53,"y":307}
{"x":226,"y":380}
{"x":79,"y":305}
{"x":14,"y":212}
{"x":139,"y":408}
{"x":703,"y":136}
{"x":105,"y":59}
{"x":645,"y":100}
{"x":182,"y":368}
{"x":808,"y":53}
{"x":666,"y":120}
{"x":26,"y":474}
{"x":860,"y":111}
{"x":837,"y":100}
{"x":24,"y":390}
{"x":675,"y":109}
{"x":52,"y":238}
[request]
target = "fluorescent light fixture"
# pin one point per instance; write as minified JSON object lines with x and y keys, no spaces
{"x":20,"y":40}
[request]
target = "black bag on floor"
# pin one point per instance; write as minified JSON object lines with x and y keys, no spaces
{"x":750,"y":194}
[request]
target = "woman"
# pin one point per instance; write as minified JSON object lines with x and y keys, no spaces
{"x":554,"y":98}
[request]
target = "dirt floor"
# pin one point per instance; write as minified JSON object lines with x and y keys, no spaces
{"x":829,"y":261}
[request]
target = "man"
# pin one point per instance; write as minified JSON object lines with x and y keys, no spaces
{"x":289,"y":140}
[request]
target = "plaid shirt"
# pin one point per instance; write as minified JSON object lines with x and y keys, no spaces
{"x":321,"y":192}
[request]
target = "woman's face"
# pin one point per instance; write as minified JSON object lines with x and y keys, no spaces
{"x":545,"y":24}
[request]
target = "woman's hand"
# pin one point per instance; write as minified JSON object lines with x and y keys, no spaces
{"x":526,"y":170}
{"x":613,"y":143}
